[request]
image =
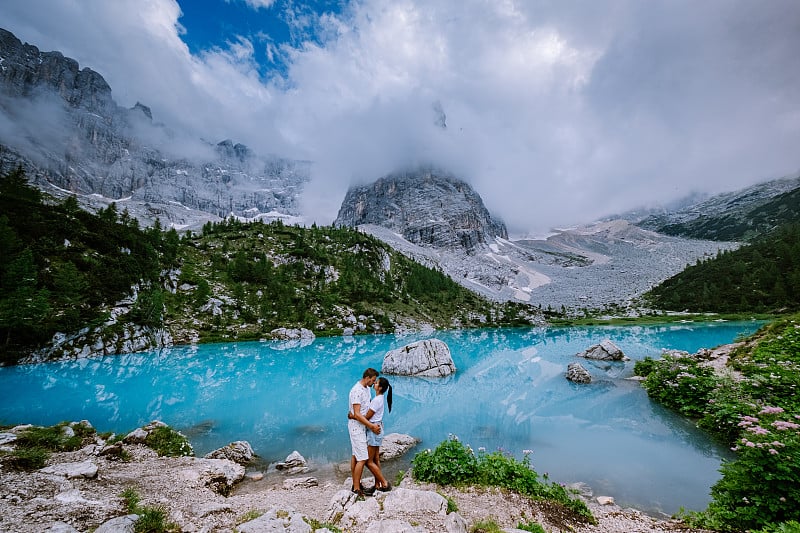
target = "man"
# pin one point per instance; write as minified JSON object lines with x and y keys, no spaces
{"x":358,"y":425}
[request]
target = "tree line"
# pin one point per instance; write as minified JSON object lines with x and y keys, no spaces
{"x":762,"y":276}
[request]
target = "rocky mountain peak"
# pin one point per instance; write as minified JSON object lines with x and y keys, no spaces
{"x":71,"y":137}
{"x":26,"y":70}
{"x":426,"y":206}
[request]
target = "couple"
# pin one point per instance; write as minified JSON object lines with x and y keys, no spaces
{"x":365,"y":425}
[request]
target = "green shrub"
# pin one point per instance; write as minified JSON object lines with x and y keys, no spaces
{"x":151,"y":519}
{"x":316,"y":524}
{"x":645,"y":366}
{"x":131,"y":499}
{"x":453,"y":463}
{"x":680,"y":383}
{"x":787,"y":527}
{"x":485,"y":526}
{"x":49,"y":438}
{"x":154,"y":520}
{"x":762,"y":486}
{"x":31,"y":458}
{"x":533,"y":527}
{"x":169,"y":442}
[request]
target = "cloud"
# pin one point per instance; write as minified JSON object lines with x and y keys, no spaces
{"x":556,"y":112}
{"x":259,"y":4}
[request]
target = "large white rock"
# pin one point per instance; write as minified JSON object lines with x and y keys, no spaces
{"x":121,"y":524}
{"x":393,"y":525}
{"x":85,"y":469}
{"x":276,"y":520}
{"x":396,"y":444}
{"x":429,"y":358}
{"x":238,"y":451}
{"x":605,"y":351}
{"x":578,"y":374}
{"x":220,"y":475}
{"x":410,"y":500}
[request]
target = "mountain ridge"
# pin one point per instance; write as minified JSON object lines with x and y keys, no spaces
{"x":60,"y":123}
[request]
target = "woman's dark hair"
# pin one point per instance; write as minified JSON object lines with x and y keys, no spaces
{"x":383,"y":383}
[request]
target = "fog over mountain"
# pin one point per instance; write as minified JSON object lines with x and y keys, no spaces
{"x":556,"y":113}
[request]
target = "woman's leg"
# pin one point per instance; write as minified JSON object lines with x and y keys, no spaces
{"x":373,"y":463}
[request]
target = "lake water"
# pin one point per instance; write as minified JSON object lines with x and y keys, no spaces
{"x":509,"y":393}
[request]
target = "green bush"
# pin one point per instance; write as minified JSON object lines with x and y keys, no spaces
{"x":680,"y":383}
{"x":645,"y":366}
{"x":151,"y":519}
{"x":763,"y":485}
{"x":485,"y":526}
{"x":533,"y":527}
{"x":787,"y":527}
{"x":169,"y":442}
{"x":453,"y":463}
{"x":154,"y":520}
{"x":31,"y":458}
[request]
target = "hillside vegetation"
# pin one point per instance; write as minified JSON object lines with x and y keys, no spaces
{"x":63,"y":270}
{"x":763,"y":276}
{"x":59,"y":265}
{"x":740,"y":223}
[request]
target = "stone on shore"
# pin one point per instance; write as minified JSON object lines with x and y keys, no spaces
{"x":300,"y":483}
{"x":276,"y":520}
{"x":396,"y":444}
{"x":427,"y":358}
{"x":293,"y":464}
{"x":605,"y":351}
{"x":238,"y":451}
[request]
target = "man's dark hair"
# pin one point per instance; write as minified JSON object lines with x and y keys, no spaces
{"x":370,"y":373}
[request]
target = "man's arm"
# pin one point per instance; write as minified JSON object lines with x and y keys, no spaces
{"x":356,"y":415}
{"x":367,"y":416}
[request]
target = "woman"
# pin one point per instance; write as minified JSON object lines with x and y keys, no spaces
{"x":374,"y":440}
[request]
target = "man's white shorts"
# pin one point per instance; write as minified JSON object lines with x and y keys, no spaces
{"x":358,"y":439}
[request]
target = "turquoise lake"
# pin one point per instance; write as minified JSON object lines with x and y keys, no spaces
{"x":508,"y":393}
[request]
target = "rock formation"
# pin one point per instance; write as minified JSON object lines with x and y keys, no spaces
{"x":605,"y":351}
{"x":578,"y":374}
{"x":428,"y":358}
{"x":428,"y":207}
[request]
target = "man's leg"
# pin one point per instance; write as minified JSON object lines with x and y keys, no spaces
{"x":357,"y":471}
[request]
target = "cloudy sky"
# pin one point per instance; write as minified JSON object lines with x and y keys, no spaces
{"x":557,"y":112}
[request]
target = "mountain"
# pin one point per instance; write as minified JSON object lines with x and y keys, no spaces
{"x":734,"y":216}
{"x":61,"y":124}
{"x":440,"y":221}
{"x":427,"y":207}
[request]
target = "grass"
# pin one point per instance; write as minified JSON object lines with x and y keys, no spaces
{"x":152,"y":519}
{"x":657,"y":319}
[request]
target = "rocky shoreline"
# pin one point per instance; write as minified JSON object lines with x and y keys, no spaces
{"x":82,"y":490}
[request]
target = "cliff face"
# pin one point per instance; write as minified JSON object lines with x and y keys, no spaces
{"x":61,"y":124}
{"x":426,"y":206}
